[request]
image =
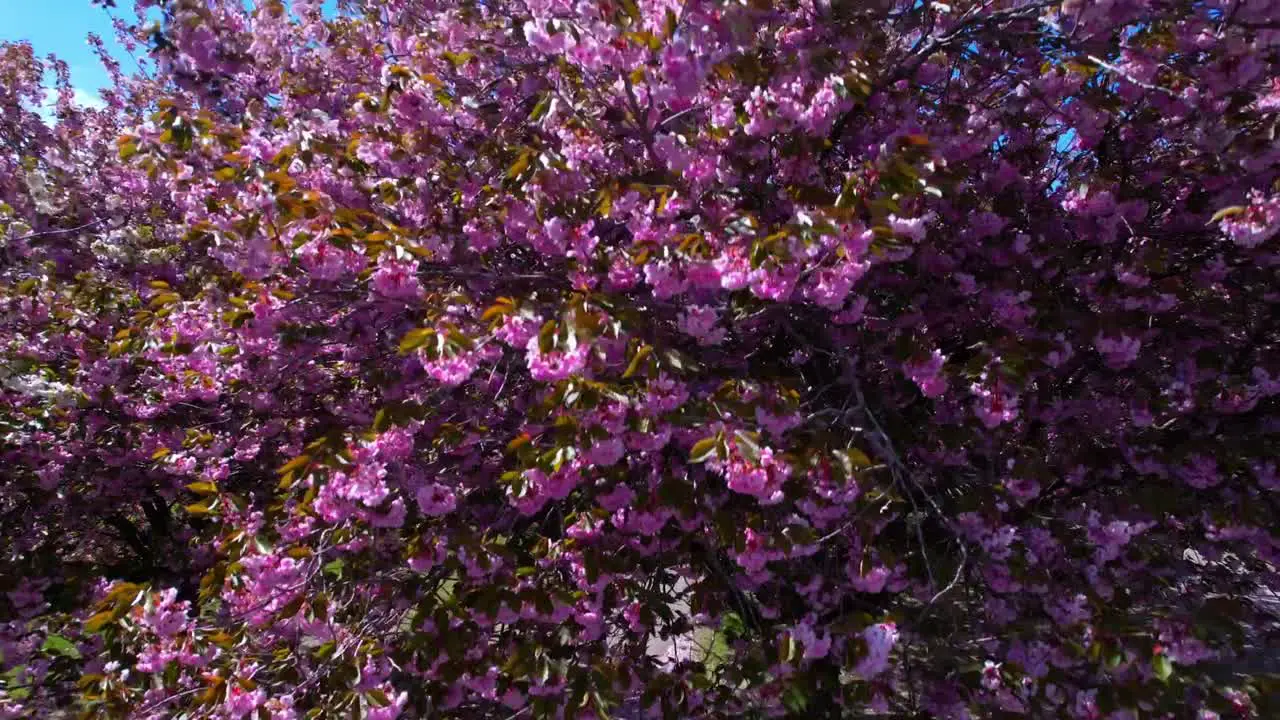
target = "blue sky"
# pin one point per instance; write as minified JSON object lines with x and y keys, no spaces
{"x":60,"y":27}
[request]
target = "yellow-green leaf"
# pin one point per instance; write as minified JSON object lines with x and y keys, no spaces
{"x":1227,"y":212}
{"x":521,"y":164}
{"x":497,"y":309}
{"x":99,"y":621}
{"x":634,"y":366}
{"x":858,"y":458}
{"x":519,"y":442}
{"x":415,"y":339}
{"x":632,"y":10}
{"x":165,"y":298}
{"x":221,"y":638}
{"x":604,"y":208}
{"x":704,"y":449}
{"x":458,"y":59}
{"x":541,"y":108}
{"x":295,"y":464}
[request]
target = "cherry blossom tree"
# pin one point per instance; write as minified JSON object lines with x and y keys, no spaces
{"x":644,"y":358}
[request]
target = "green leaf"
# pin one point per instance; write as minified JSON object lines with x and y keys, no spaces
{"x":547,"y":336}
{"x":59,"y":645}
{"x":415,"y":339}
{"x":704,"y":449}
{"x":794,"y":699}
{"x":633,"y":367}
{"x":1227,"y":212}
{"x":678,"y":360}
{"x":1163,"y":667}
{"x":295,"y":464}
{"x":521,"y":164}
{"x":748,"y":444}
{"x":632,"y":10}
{"x":457,"y":59}
{"x":99,"y":621}
{"x":732,"y":626}
{"x":502,"y":306}
{"x":604,"y":207}
{"x":541,"y":108}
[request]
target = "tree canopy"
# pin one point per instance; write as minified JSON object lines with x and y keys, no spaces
{"x":644,"y":358}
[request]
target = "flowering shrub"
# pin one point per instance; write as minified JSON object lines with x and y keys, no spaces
{"x":643,"y":358}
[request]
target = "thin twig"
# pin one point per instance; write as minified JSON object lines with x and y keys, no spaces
{"x":63,"y":231}
{"x":166,"y":700}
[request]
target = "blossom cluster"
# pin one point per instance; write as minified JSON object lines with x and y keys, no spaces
{"x":653,"y":359}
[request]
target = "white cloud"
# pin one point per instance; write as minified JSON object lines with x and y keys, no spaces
{"x":79,"y":97}
{"x":87,"y":99}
